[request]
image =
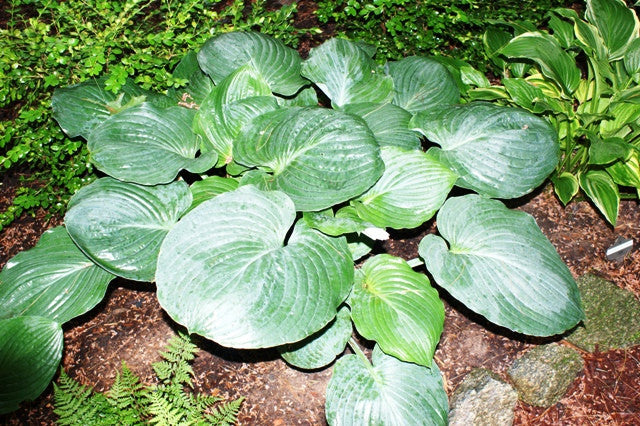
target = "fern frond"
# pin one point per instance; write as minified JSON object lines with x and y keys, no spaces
{"x":128,"y":396}
{"x":163,"y":413}
{"x":76,"y":404}
{"x":176,"y":367}
{"x":225,"y":414}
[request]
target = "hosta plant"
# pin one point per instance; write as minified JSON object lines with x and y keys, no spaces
{"x":247,"y":204}
{"x":582,"y":75}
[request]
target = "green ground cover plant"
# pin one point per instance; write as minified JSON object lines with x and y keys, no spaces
{"x":398,"y":28}
{"x":49,"y":44}
{"x":129,"y":402}
{"x":582,"y":76}
{"x":249,"y":204}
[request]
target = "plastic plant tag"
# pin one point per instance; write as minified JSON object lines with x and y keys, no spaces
{"x":619,"y":249}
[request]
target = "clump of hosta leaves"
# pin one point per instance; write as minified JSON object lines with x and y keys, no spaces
{"x":129,"y":402}
{"x":247,"y":203}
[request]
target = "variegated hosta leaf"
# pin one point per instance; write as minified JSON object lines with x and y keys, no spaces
{"x":389,"y":124}
{"x":54,"y":280}
{"x":397,"y":308}
{"x":210,"y":187}
{"x":240,"y":97}
{"x":321,"y":348}
{"x":120,"y":225}
{"x":80,"y":108}
{"x":30,"y":352}
{"x":500,"y":265}
{"x":617,"y":24}
{"x":389,"y":392}
{"x":317,"y":156}
{"x":230,"y":272}
{"x":148,"y":145}
{"x":347,"y":74}
{"x":412,"y":188}
{"x":496,"y":151}
{"x":603,"y":191}
{"x":422,"y":83}
{"x":278,"y":64}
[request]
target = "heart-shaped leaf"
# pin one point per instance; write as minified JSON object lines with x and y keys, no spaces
{"x":565,"y":186}
{"x":30,"y":352}
{"x":120,"y":225}
{"x":347,"y":74}
{"x":240,"y":97}
{"x":390,"y":392}
{"x":78,"y":109}
{"x":148,"y":145}
{"x":277,"y":63}
{"x":317,"y":156}
{"x":321,"y":348}
{"x":413,"y":187}
{"x":389,"y":124}
{"x":422,"y":83}
{"x":603,"y":191}
{"x":54,"y":280}
{"x":397,"y":307}
{"x":497,"y":151}
{"x":226,"y":272}
{"x":500,"y":265}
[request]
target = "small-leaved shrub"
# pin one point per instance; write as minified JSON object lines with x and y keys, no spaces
{"x":130,"y":402}
{"x":49,"y":44}
{"x":581,"y":75}
{"x":247,"y":204}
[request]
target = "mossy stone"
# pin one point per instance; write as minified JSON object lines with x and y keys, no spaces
{"x":543,"y":374}
{"x":612,"y":316}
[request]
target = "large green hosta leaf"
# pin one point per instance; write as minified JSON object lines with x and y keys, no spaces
{"x":346,"y":73}
{"x":199,"y":84}
{"x":278,"y":64}
{"x":497,"y":151}
{"x":422,"y":83}
{"x":500,"y":265}
{"x":397,"y":307}
{"x":321,"y":348}
{"x":389,"y":392}
{"x":148,"y":145}
{"x":54,"y":280}
{"x":239,"y":97}
{"x":389,"y":124}
{"x":210,"y":187}
{"x":30,"y":352}
{"x":413,"y":187}
{"x":226,"y":272}
{"x":616,"y":23}
{"x":78,"y":109}
{"x":317,"y":156}
{"x":120,"y":225}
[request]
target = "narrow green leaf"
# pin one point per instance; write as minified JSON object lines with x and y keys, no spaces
{"x":626,"y":173}
{"x":277,"y":63}
{"x":500,"y":265}
{"x":421,"y":83}
{"x":603,"y":191}
{"x":321,"y":348}
{"x":390,"y":392}
{"x":623,"y":113}
{"x":30,"y":352}
{"x":120,"y":225}
{"x":632,"y":57}
{"x":397,"y":308}
{"x":412,"y":188}
{"x":230,"y":271}
{"x":347,"y":74}
{"x":54,"y":280}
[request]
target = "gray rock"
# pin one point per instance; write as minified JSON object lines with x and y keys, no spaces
{"x":543,"y":375}
{"x":482,"y":399}
{"x":612,"y":316}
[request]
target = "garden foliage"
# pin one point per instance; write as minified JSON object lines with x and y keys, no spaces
{"x":582,"y":76}
{"x":50,"y":44}
{"x":129,"y":402}
{"x":248,"y":205}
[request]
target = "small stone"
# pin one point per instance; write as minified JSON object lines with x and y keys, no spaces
{"x":612,"y":316}
{"x":543,"y":375}
{"x":482,"y":399}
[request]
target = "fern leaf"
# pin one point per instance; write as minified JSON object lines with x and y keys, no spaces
{"x":225,"y":414}
{"x":76,"y":404}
